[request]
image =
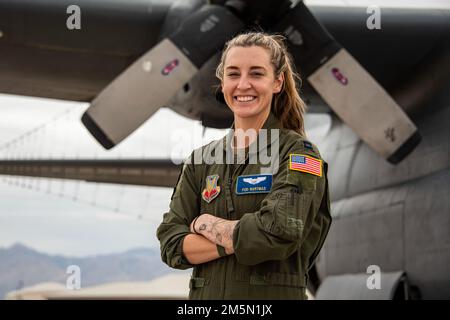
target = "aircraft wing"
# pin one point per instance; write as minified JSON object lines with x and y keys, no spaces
{"x":151,"y":172}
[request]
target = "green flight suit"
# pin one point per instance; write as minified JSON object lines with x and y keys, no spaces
{"x":279,"y":233}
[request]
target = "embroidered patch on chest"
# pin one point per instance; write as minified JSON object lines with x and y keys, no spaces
{"x":258,"y":183}
{"x":212,"y":190}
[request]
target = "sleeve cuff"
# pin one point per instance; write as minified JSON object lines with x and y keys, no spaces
{"x":221,"y":251}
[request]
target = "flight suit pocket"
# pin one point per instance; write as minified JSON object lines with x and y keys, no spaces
{"x":278,"y":273}
{"x":199,"y":278}
{"x":247,"y":203}
{"x":278,"y":279}
{"x":216,"y":207}
{"x":290,"y":213}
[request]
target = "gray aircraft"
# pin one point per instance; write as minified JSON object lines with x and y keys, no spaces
{"x":383,"y":76}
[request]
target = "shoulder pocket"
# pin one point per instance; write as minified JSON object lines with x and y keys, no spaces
{"x":289,"y":214}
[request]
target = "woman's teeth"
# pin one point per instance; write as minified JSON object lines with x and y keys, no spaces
{"x":245,"y":98}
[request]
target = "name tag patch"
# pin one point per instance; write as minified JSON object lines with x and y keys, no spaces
{"x":258,"y":183}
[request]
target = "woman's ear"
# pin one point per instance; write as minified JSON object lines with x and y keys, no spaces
{"x":278,"y":84}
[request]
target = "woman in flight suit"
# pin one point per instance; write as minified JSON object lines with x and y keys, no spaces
{"x":249,"y":230}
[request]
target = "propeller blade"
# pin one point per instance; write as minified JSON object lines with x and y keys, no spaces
{"x":137,"y":93}
{"x":145,"y":86}
{"x":353,"y":94}
{"x":365,"y":106}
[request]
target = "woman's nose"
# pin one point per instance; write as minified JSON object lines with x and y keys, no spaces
{"x":243,"y":83}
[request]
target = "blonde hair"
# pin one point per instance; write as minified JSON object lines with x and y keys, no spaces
{"x":287,"y":105}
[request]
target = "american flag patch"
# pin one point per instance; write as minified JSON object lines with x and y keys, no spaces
{"x":304,"y":163}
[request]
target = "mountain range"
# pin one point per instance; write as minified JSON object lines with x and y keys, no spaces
{"x":21,"y":266}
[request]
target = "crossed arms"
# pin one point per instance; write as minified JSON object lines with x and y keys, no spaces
{"x":208,"y":231}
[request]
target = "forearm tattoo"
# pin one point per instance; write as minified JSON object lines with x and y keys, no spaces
{"x":218,"y":230}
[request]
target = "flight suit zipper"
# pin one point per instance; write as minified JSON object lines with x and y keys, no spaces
{"x":229,"y":196}
{"x":232,"y":169}
{"x":229,"y":211}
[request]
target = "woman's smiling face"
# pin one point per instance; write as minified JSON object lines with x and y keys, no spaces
{"x":249,"y":81}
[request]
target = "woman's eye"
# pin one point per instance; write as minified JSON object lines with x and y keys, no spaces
{"x":254,"y":74}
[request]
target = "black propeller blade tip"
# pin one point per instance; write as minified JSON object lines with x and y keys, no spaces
{"x":405,"y":149}
{"x":95,"y":130}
